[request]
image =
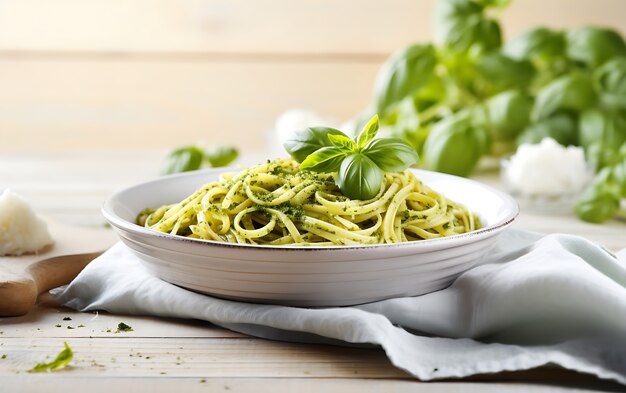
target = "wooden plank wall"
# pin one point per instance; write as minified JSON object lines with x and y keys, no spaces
{"x":157,"y":73}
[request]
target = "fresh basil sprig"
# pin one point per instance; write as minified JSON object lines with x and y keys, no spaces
{"x":360,"y":164}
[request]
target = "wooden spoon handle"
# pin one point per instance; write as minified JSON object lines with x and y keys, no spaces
{"x":19,"y":290}
{"x":54,"y":272}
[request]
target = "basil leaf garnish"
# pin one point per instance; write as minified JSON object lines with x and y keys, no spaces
{"x":304,"y":142}
{"x":368,"y":133}
{"x":359,"y":177}
{"x":342,"y":142}
{"x":391,"y":154}
{"x":360,"y":164}
{"x":326,"y":159}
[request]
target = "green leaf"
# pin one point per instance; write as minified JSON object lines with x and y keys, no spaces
{"x":597,"y":207}
{"x":619,"y":174}
{"x":611,"y":77}
{"x":218,"y":156}
{"x":593,"y":46}
{"x":408,"y":125}
{"x":494,"y":3}
{"x":391,"y":154}
{"x":536,"y":43}
{"x":359,"y":177}
{"x":455,"y":145}
{"x":326,"y":159}
{"x":611,"y":80}
{"x":62,"y":360}
{"x":572,"y":92}
{"x":433,"y":93}
{"x":453,"y":16}
{"x":342,"y":142}
{"x":368,"y":133}
{"x":599,"y":155}
{"x":602,"y":125}
{"x":461,"y":25}
{"x":504,"y":72}
{"x":403,"y":75}
{"x":560,"y":127}
{"x":601,"y":200}
{"x":183,"y":159}
{"x":601,"y":133}
{"x":301,"y":143}
{"x":487,"y":36}
{"x":508,"y":114}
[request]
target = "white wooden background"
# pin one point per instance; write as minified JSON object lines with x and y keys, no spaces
{"x":152,"y":74}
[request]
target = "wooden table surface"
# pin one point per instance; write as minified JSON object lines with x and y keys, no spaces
{"x":162,"y":355}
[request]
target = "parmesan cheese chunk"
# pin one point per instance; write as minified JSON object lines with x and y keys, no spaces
{"x":21,"y":231}
{"x":548,"y":169}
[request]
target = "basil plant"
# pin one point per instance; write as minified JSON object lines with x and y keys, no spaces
{"x":469,"y":94}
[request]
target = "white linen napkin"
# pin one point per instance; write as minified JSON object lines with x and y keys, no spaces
{"x":535,"y":300}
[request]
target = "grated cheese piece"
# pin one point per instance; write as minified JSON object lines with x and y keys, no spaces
{"x":21,"y":231}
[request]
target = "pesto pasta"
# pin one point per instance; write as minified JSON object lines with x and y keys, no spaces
{"x":276,"y":203}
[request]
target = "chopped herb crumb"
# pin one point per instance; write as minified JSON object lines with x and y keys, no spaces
{"x":95,"y":364}
{"x":4,"y":356}
{"x":122,"y":327}
{"x":70,"y":327}
{"x":80,"y":326}
{"x":57,"y":325}
{"x":67,"y":319}
{"x":203,"y":380}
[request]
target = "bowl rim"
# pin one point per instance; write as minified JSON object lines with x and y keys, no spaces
{"x":456,"y":240}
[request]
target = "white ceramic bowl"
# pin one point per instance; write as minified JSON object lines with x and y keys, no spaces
{"x":308,"y":276}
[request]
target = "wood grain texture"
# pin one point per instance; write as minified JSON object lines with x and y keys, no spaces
{"x":47,"y":320}
{"x":201,"y":357}
{"x":69,"y":384}
{"x":154,"y":74}
{"x":69,"y":104}
{"x":212,"y":26}
{"x":164,"y":354}
{"x":236,"y":27}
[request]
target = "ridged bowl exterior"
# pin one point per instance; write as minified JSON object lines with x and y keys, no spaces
{"x":308,"y":276}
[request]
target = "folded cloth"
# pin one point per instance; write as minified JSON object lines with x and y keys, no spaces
{"x":535,"y":300}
